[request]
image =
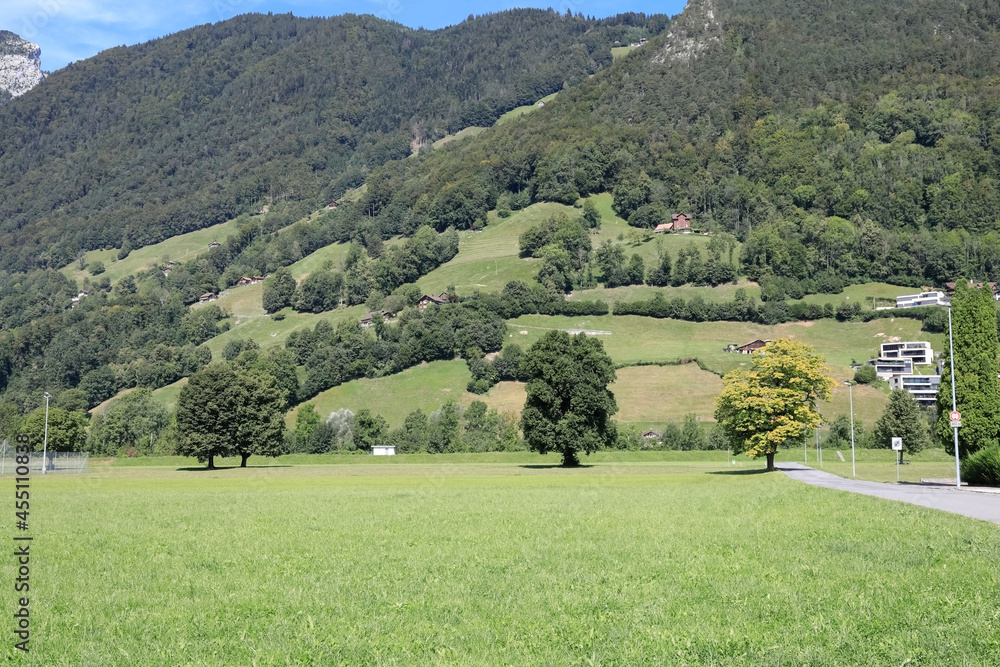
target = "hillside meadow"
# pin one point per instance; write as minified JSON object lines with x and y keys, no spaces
{"x":179,"y":248}
{"x":498,"y":563}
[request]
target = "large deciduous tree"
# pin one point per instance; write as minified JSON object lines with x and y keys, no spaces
{"x":67,"y":430}
{"x":206,"y":414}
{"x":569,"y":406}
{"x":773,"y":401}
{"x":225,"y":412}
{"x":977,"y":395}
{"x":260,"y":416}
{"x":278,"y":290}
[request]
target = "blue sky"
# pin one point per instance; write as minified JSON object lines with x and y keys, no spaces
{"x":69,"y":30}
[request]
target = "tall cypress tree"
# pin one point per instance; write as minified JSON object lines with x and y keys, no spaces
{"x":977,"y":393}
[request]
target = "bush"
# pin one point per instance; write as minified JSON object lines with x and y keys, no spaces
{"x":983,"y":467}
{"x":865,"y":375}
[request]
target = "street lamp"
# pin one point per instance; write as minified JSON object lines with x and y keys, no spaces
{"x":45,"y":439}
{"x":951,"y":358}
{"x":850,"y":391}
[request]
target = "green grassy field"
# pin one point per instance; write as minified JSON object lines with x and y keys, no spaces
{"x":725,"y":292}
{"x":621,"y":51}
{"x":427,"y":387}
{"x":503,"y":563}
{"x":527,"y":108}
{"x":635,"y":338}
{"x":884,"y":293}
{"x":647,"y":396}
{"x":876,"y":465}
{"x":178,"y":248}
{"x":470,"y":131}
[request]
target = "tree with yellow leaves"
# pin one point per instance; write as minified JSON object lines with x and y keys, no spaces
{"x":774,"y":400}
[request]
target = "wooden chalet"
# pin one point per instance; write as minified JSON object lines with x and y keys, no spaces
{"x":664,"y":227}
{"x":751,"y":347}
{"x":214,"y":244}
{"x":208,"y":296}
{"x":429,"y":299}
{"x":368,"y":320}
{"x":681,"y":222}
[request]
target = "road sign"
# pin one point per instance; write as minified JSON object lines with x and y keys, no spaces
{"x":956,"y":423}
{"x":955,"y":416}
{"x":897,"y":444}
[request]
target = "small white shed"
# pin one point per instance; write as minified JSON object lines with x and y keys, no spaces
{"x":384,"y":450}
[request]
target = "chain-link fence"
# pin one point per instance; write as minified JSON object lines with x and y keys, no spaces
{"x":55,"y":462}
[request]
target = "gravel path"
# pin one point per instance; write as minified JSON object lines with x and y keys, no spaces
{"x":985,"y":506}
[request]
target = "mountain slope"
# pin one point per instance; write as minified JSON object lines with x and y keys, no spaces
{"x":20,"y":64}
{"x":141,"y":143}
{"x":860,"y":139}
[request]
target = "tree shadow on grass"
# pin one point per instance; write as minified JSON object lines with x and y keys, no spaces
{"x":759,"y":471}
{"x":556,"y":466}
{"x":217,"y":468}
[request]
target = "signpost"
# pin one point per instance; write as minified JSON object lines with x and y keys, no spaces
{"x":897,"y":446}
{"x":956,"y":416}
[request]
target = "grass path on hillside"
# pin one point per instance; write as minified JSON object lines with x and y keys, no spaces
{"x":603,"y":565}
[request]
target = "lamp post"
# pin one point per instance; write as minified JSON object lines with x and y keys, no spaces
{"x":951,"y":358}
{"x":45,"y":438}
{"x":850,"y":391}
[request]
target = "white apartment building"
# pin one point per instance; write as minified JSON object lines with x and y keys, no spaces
{"x":919,"y":352}
{"x":922,"y":299}
{"x":924,"y":388}
{"x":886,"y":368}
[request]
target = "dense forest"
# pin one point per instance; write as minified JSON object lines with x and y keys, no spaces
{"x":859,"y":140}
{"x":140,"y":143}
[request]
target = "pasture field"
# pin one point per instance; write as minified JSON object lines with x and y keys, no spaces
{"x":470,"y":131}
{"x":521,"y":110}
{"x":498,"y":563}
{"x":634,"y":338}
{"x":647,"y":396}
{"x":612,"y":295}
{"x":427,"y":387}
{"x":621,"y":51}
{"x":268,"y":332}
{"x":181,"y":248}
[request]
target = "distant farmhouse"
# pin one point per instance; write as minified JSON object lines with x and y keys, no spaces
{"x":679,"y":222}
{"x":950,"y":288}
{"x":747,"y":348}
{"x":428,"y":299}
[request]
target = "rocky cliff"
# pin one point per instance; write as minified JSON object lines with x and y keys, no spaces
{"x":20,"y":64}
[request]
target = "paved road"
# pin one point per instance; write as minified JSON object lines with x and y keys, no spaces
{"x":985,"y":506}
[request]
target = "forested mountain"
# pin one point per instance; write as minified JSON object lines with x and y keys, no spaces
{"x":859,"y":138}
{"x":144,"y":142}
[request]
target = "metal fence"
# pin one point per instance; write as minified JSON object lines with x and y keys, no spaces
{"x":55,"y":462}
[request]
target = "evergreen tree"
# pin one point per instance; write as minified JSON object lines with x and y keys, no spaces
{"x":977,"y":395}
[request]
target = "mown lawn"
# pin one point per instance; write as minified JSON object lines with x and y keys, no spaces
{"x":501,"y":564}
